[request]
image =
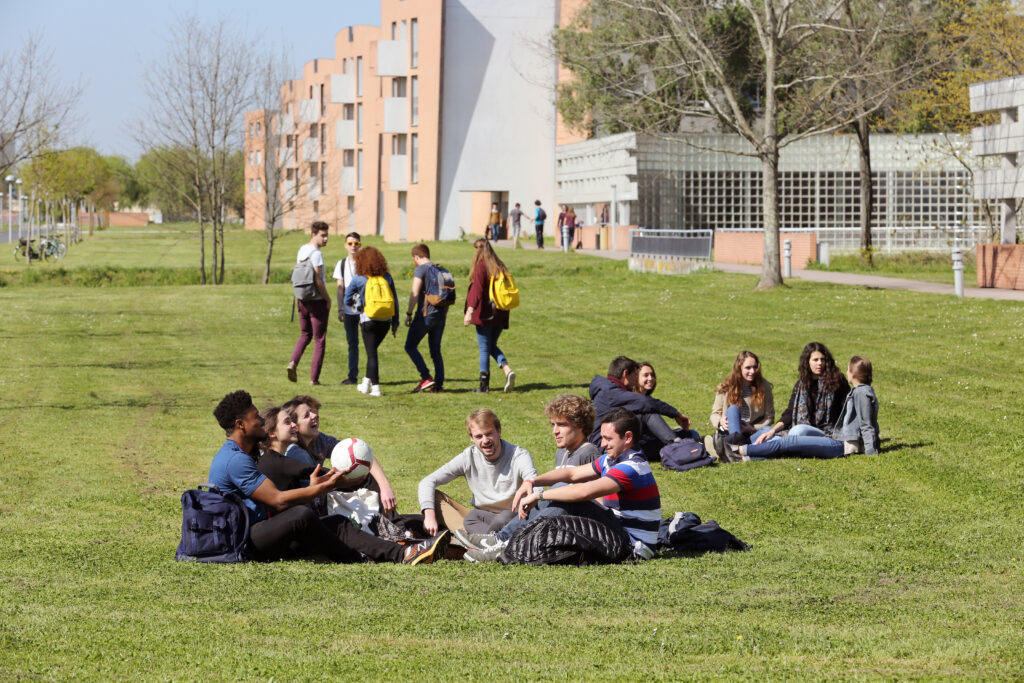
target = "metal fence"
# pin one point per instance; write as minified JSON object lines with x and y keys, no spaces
{"x":693,"y":245}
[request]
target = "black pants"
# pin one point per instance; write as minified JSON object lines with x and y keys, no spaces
{"x":540,"y":235}
{"x":299,"y":531}
{"x":374,"y":332}
{"x":352,"y":338}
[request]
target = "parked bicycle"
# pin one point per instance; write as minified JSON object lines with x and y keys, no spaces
{"x":48,"y":250}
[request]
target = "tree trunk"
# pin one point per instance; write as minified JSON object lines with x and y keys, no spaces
{"x":867,"y":190}
{"x":771,"y":266}
{"x":220,"y":266}
{"x":270,"y":252}
{"x":202,"y":250}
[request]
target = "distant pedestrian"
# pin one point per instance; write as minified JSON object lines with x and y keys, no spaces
{"x":312,"y":313}
{"x":344,"y":271}
{"x":494,"y":223}
{"x":539,"y":216}
{"x":425,"y":320}
{"x":567,"y":225}
{"x":488,"y":318}
{"x":514,"y":225}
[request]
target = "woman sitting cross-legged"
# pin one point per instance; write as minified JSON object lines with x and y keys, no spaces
{"x":814,"y":407}
{"x":743,"y":404}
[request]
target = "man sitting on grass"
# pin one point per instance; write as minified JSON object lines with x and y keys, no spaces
{"x":280,"y":522}
{"x":493,"y":469}
{"x":630,"y":502}
{"x":619,"y":390}
{"x":572,"y":418}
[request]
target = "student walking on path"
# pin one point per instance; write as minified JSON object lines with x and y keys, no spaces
{"x":425,"y":320}
{"x":314,"y":312}
{"x":539,"y":216}
{"x":344,"y":271}
{"x":372,"y":293}
{"x":488,"y":319}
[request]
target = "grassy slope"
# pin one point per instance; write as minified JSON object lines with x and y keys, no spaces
{"x":902,"y":565}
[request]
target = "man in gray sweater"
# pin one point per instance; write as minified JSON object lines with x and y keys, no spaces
{"x":494,"y":469}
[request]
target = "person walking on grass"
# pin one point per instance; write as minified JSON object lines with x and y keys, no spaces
{"x":515,"y":217}
{"x":372,"y":293}
{"x":425,"y":320}
{"x":313,"y":314}
{"x":539,"y":216}
{"x":295,"y":528}
{"x":344,"y":272}
{"x":488,"y":319}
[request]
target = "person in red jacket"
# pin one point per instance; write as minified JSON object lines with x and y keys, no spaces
{"x":489,"y":320}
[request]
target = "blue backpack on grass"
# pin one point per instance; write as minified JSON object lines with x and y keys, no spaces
{"x":214,"y":527}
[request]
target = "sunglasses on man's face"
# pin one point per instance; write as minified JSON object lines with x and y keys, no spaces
{"x":353,"y":244}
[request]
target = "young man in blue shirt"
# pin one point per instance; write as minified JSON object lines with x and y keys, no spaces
{"x":281,"y":522}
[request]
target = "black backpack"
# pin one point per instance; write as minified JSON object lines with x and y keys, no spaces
{"x":214,"y":527}
{"x":685,"y":454}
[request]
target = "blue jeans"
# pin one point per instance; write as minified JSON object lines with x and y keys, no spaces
{"x":803,"y":441}
{"x":550,"y":508}
{"x":487,"y":340}
{"x":732,"y":415}
{"x":431,"y":327}
{"x":352,"y":338}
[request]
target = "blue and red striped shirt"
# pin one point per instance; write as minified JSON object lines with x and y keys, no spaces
{"x":638,"y":504}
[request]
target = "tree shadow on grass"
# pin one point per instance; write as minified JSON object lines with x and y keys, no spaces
{"x":496,"y":387}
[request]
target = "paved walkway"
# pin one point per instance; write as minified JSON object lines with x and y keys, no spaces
{"x":854,"y":279}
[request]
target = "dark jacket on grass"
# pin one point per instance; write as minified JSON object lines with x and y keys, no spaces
{"x":608,"y":392}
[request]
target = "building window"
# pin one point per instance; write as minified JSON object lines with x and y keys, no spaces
{"x":323,"y":102}
{"x":323,"y":139}
{"x":323,"y":177}
{"x":250,"y":130}
{"x":398,"y":144}
{"x":348,"y":158}
{"x":401,"y":32}
{"x":398,"y":87}
{"x":289,"y":174}
{"x":348,"y":112}
{"x":252,"y":158}
{"x":258,"y":129}
{"x":414,"y":104}
{"x":316,"y":65}
{"x":314,"y":130}
{"x":394,"y":30}
{"x":359,"y":170}
{"x":414,"y":159}
{"x":288,"y":141}
{"x":359,"y":76}
{"x":359,"y":122}
{"x":414,"y":43}
{"x":259,"y":186}
{"x":316,"y":210}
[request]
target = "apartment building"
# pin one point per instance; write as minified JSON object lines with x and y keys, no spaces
{"x":415,"y":126}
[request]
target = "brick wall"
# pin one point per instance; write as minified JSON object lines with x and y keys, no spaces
{"x":123,"y":218}
{"x":1001,"y":266}
{"x":748,"y":247}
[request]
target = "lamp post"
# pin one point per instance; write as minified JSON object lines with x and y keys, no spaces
{"x":19,"y":183}
{"x":10,"y":216}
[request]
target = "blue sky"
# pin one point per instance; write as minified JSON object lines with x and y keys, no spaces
{"x":106,"y":44}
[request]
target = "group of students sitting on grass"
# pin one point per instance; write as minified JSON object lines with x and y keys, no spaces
{"x":274,"y":461}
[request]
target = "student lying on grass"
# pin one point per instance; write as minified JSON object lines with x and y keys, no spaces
{"x":281,"y":522}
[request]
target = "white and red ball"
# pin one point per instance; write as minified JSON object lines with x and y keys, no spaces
{"x":352,"y":452}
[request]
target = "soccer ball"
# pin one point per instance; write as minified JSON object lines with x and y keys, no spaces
{"x":351,"y":452}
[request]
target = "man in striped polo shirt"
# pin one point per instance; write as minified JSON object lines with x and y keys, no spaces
{"x":618,"y":489}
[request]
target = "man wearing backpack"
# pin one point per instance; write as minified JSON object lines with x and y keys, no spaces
{"x":313,"y":312}
{"x":539,"y":216}
{"x":425,"y":319}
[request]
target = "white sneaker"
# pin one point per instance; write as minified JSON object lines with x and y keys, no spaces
{"x":375,"y":390}
{"x":364,"y":386}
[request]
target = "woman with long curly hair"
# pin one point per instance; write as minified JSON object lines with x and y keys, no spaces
{"x":370,"y":263}
{"x":743,"y":401}
{"x":488,"y":319}
{"x":814,"y":408}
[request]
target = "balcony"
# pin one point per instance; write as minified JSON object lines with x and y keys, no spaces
{"x":286,"y":124}
{"x":286,"y":157}
{"x":310,"y":150}
{"x":398,"y":172}
{"x":309,"y":111}
{"x":287,"y":190}
{"x":344,"y":134}
{"x":312,"y":188}
{"x":348,"y":181}
{"x":396,"y":115}
{"x":343,"y":89}
{"x":392,"y":58}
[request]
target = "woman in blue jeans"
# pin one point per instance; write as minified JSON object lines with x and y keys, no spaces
{"x":488,"y":319}
{"x":814,"y":408}
{"x":744,"y":404}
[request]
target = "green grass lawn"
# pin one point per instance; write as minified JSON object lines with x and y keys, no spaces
{"x":930,"y":266}
{"x":902,"y":565}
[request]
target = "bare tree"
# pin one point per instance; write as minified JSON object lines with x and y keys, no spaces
{"x":759,"y":68}
{"x":277,"y":197}
{"x":35,"y":108}
{"x":198,"y":94}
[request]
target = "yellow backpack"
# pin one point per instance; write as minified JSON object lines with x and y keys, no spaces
{"x":378,"y":302}
{"x":504,"y":293}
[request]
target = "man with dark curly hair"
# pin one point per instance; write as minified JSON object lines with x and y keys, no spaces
{"x":293,"y":525}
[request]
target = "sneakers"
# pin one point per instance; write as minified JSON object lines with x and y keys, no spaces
{"x":489,"y":554}
{"x":476,"y":541}
{"x":425,"y":552}
{"x":348,"y":381}
{"x":424,"y":384}
{"x":510,"y":380}
{"x":436,"y":389}
{"x":292,"y":375}
{"x":364,"y":386}
{"x":375,"y":390}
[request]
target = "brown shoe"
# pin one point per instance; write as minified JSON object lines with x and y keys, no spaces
{"x":427,"y":551}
